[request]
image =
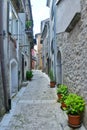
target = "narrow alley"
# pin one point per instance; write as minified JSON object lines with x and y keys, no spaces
{"x":35,"y":107}
{"x":46,"y":41}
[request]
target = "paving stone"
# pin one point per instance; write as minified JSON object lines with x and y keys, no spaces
{"x":35,"y":107}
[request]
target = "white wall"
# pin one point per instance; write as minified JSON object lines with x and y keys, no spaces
{"x":66,"y":10}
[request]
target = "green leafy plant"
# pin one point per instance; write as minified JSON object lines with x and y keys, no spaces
{"x":63,"y":97}
{"x":28,"y":24}
{"x":62,"y":89}
{"x":29,"y":75}
{"x":51,"y":75}
{"x":75,"y":104}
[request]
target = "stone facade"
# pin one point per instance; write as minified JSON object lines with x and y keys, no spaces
{"x":39,"y":51}
{"x":45,"y":31}
{"x":2,"y":109}
{"x":73,"y":48}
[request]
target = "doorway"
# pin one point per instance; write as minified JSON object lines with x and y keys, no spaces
{"x":13,"y":77}
{"x":22,"y":67}
{"x":59,"y":68}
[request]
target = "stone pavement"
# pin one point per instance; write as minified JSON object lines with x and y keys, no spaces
{"x":35,"y":107}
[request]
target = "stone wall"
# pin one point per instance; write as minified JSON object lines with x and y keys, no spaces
{"x":2,"y":109}
{"x":74,"y":56}
{"x":12,"y":48}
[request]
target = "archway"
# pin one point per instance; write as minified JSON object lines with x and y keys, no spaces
{"x":59,"y":68}
{"x":13,"y":77}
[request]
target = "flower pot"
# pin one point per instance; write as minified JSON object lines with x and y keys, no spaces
{"x":52,"y":84}
{"x":59,"y":96}
{"x":29,"y":79}
{"x":63,"y":105}
{"x":74,"y":121}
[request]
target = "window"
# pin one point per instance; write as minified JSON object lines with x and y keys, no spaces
{"x":52,"y":47}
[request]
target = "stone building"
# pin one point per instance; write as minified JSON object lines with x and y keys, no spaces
{"x":45,"y":31}
{"x":53,"y":47}
{"x":34,"y":58}
{"x":39,"y":51}
{"x":16,"y":42}
{"x":70,"y":42}
{"x":2,"y":106}
{"x":25,"y":39}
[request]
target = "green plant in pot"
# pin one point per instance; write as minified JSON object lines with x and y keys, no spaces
{"x":61,"y":90}
{"x":75,"y":106}
{"x":62,"y":101}
{"x":52,"y":79}
{"x":29,"y":75}
{"x":28,"y":24}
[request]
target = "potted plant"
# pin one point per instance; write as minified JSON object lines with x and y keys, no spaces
{"x":75,"y":106}
{"x":52,"y":79}
{"x":29,"y":75}
{"x":61,"y":90}
{"x":28,"y":24}
{"x":62,"y":101}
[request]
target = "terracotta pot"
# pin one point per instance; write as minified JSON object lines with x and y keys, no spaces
{"x":63,"y":105}
{"x":52,"y":84}
{"x":74,"y":121}
{"x":59,"y":96}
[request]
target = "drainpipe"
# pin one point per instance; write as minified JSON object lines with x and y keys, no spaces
{"x":55,"y":44}
{"x":2,"y":57}
{"x":48,"y":27}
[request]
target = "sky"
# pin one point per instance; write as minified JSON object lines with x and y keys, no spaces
{"x":40,"y":12}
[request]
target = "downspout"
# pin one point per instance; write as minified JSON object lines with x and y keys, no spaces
{"x":48,"y":31}
{"x":2,"y":58}
{"x":30,"y":56}
{"x":55,"y":44}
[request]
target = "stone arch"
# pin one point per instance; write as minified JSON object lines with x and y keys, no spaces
{"x":59,"y":68}
{"x":13,"y":77}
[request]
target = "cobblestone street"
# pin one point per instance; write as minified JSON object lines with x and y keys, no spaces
{"x":35,"y":107}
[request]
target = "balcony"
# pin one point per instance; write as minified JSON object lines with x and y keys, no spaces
{"x":29,"y":28}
